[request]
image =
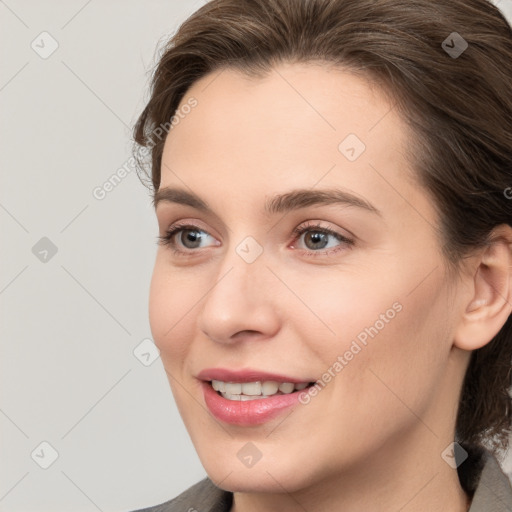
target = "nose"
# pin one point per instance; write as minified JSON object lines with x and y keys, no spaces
{"x":240,"y":303}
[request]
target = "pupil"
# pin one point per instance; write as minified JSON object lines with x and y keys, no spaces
{"x":192,"y":237}
{"x":316,"y":237}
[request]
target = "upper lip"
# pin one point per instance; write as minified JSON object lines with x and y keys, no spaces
{"x":246,"y":375}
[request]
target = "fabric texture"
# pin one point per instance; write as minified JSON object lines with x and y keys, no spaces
{"x":480,"y":475}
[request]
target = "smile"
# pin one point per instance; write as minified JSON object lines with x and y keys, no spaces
{"x":243,"y":391}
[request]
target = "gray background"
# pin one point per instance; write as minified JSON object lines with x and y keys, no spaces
{"x":72,"y":319}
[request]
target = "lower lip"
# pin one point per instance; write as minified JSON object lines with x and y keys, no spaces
{"x":247,"y":412}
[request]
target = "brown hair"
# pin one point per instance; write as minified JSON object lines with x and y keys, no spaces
{"x":458,"y":106}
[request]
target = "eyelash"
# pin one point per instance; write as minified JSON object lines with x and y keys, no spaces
{"x":167,"y":239}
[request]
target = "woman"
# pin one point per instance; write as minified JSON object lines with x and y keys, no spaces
{"x":332,"y":290}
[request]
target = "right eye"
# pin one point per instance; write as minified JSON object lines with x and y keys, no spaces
{"x":185,"y":236}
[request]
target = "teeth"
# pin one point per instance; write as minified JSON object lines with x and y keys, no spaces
{"x":218,"y":385}
{"x":270,"y":387}
{"x":239,"y":398}
{"x":286,"y":387}
{"x":233,"y":388}
{"x":242,"y":391}
{"x":251,"y":388}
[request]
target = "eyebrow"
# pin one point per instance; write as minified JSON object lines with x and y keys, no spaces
{"x":293,"y":200}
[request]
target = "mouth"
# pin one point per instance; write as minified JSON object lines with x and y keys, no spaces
{"x":256,"y":390}
{"x":250,"y":397}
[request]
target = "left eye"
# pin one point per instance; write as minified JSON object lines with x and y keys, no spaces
{"x":316,"y":238}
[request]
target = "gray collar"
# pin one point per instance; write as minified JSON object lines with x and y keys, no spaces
{"x":493,"y":491}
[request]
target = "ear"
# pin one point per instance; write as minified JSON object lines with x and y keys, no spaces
{"x":490,"y":301}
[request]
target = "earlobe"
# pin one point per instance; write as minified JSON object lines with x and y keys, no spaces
{"x":490,"y":303}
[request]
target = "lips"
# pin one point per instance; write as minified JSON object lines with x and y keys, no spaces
{"x":231,"y":405}
{"x":247,"y":375}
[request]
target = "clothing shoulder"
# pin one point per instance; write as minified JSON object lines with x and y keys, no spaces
{"x":203,"y":496}
{"x":493,"y":490}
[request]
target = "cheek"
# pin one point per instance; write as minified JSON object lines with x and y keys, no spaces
{"x":171,"y":305}
{"x":380,"y":340}
{"x":337,"y":308}
{"x":400,"y":367}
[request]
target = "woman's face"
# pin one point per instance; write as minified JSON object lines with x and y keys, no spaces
{"x":357,"y":299}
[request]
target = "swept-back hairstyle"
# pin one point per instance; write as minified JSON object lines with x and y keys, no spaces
{"x":456,"y":100}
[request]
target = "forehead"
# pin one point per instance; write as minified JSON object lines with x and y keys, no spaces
{"x":297,"y":126}
{"x":296,"y":109}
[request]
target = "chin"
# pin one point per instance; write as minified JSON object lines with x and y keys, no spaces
{"x":255,"y":481}
{"x":228,"y":472}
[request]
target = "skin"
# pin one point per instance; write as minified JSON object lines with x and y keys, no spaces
{"x":373,"y":436}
